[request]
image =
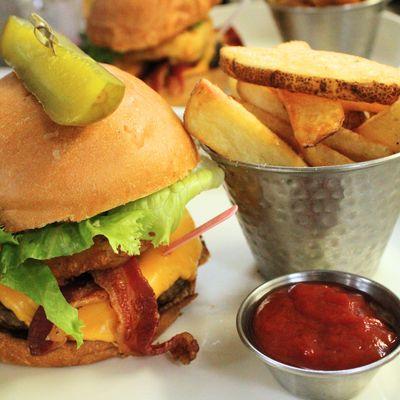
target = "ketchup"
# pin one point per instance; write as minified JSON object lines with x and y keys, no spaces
{"x":321,"y":327}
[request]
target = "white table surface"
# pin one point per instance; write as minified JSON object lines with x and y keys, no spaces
{"x":224,"y":368}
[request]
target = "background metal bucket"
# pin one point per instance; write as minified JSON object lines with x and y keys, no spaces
{"x":334,"y":218}
{"x":349,"y":28}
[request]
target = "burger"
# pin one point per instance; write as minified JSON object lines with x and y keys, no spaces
{"x":170,"y":44}
{"x":85,"y":213}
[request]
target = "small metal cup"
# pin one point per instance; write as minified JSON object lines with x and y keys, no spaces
{"x":349,"y":28}
{"x":312,"y":384}
{"x":335,"y":218}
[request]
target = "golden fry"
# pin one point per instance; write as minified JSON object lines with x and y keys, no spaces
{"x":232,"y":85}
{"x":321,"y":155}
{"x":312,"y":118}
{"x":356,"y":146}
{"x":384,"y":128}
{"x":225,"y":126}
{"x":263,"y":97}
{"x":373,"y":108}
{"x":298,"y":68}
{"x":278,"y":126}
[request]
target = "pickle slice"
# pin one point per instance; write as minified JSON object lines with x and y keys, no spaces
{"x":71,"y":86}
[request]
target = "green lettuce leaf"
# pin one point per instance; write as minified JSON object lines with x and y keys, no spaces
{"x":100,"y":54}
{"x":151,"y":218}
{"x":6,"y":237}
{"x":35,"y":279}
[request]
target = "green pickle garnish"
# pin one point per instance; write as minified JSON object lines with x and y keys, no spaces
{"x":72,"y":88}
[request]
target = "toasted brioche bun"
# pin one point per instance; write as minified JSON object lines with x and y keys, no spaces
{"x":214,"y":75}
{"x":298,"y":68}
{"x":52,"y":173}
{"x":126,"y":25}
{"x":16,"y":351}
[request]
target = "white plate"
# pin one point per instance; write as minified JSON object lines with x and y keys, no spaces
{"x":224,"y":368}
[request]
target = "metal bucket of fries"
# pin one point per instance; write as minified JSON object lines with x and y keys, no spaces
{"x":313,"y":167}
{"x":347,"y":28}
{"x":334,"y":218}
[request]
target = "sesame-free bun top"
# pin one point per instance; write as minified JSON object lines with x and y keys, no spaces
{"x":51,"y":173}
{"x":126,"y":25}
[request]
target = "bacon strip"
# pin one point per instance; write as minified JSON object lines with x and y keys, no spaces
{"x":165,"y":75}
{"x":38,"y":334}
{"x":175,"y":81}
{"x":157,"y":77}
{"x":135,"y":303}
{"x":232,"y":38}
{"x":43,"y":336}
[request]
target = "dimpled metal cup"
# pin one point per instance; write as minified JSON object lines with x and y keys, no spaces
{"x":321,"y":385}
{"x":335,"y":218}
{"x":349,"y":28}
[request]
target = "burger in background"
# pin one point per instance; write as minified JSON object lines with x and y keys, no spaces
{"x":169,"y":44}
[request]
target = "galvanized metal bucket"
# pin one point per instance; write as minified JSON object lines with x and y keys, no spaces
{"x":349,"y":28}
{"x":333,"y":218}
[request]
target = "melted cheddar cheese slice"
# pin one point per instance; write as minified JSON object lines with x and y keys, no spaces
{"x":99,"y":319}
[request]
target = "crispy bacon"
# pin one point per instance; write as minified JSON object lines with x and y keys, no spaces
{"x":158,"y":75}
{"x":165,"y":75}
{"x":135,"y":303}
{"x":83,"y":291}
{"x":232,"y":38}
{"x":228,"y":38}
{"x":133,"y":300}
{"x":43,"y":336}
{"x":183,"y":348}
{"x":38,"y":335}
{"x":176,"y":80}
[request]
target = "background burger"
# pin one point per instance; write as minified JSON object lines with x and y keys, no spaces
{"x":169,"y":44}
{"x":84,"y":211}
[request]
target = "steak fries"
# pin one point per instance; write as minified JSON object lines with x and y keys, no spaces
{"x":298,"y":68}
{"x":225,"y":126}
{"x":295,"y":106}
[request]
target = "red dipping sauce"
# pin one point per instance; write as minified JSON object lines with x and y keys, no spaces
{"x":321,"y":327}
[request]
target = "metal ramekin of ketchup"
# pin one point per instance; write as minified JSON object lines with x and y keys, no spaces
{"x":323,"y":334}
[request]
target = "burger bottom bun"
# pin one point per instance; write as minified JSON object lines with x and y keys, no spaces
{"x":16,"y":351}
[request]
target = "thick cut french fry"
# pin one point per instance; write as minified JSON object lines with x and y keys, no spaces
{"x":278,"y":126}
{"x":312,"y":118}
{"x":298,"y":68}
{"x":263,"y":97}
{"x":384,"y":128}
{"x":225,"y":126}
{"x":293,"y":45}
{"x":321,"y":155}
{"x":362,"y":106}
{"x":232,"y":86}
{"x":356,"y":146}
